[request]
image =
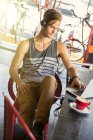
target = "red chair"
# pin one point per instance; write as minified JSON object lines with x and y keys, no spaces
{"x":16,"y":104}
{"x":10,"y":115}
{"x":13,"y":94}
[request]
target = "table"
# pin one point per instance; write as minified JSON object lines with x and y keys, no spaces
{"x":72,"y":125}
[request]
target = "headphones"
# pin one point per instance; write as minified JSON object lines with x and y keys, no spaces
{"x":43,"y":23}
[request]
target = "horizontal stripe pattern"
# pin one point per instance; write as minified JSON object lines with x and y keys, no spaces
{"x":37,"y":65}
{"x":35,"y":69}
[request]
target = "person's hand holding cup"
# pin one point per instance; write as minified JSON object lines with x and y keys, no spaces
{"x":81,"y":103}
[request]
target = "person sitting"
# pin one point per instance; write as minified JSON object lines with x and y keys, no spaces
{"x":37,"y":58}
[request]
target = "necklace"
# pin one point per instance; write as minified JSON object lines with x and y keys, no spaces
{"x":43,"y":43}
{"x":39,"y":44}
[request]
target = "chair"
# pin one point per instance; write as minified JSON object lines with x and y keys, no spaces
{"x":10,"y":115}
{"x":16,"y":104}
{"x":13,"y":94}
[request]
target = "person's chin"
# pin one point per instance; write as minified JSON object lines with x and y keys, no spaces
{"x":51,"y":36}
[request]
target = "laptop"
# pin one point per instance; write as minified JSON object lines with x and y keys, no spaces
{"x":86,"y":93}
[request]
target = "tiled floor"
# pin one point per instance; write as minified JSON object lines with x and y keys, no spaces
{"x":5,"y":60}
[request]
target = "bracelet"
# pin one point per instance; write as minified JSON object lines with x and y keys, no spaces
{"x":71,"y":79}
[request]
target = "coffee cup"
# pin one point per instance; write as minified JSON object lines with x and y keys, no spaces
{"x":81,"y":103}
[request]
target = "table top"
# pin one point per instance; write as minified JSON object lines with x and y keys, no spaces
{"x":72,"y":125}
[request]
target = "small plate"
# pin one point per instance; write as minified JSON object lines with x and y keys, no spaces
{"x":85,"y":111}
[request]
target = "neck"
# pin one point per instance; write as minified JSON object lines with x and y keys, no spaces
{"x":42,"y":42}
{"x":41,"y":36}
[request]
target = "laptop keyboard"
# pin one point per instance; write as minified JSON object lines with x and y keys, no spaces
{"x":78,"y":92}
{"x":74,"y":91}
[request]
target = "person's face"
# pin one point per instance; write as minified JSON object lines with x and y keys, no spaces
{"x":52,"y":28}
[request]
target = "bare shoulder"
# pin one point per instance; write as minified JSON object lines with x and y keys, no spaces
{"x":24,"y":45}
{"x":61,"y":48}
{"x":60,"y":45}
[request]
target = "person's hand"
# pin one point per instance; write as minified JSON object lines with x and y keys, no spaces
{"x":78,"y":84}
{"x":24,"y":88}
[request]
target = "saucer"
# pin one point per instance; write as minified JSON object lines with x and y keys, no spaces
{"x":84,"y":111}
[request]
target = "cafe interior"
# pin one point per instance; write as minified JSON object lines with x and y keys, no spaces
{"x":20,"y":20}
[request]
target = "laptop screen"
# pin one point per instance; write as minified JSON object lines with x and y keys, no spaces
{"x":88,"y":92}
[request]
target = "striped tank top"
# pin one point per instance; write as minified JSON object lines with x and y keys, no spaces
{"x":38,"y":64}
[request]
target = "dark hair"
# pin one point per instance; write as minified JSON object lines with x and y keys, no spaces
{"x":50,"y":15}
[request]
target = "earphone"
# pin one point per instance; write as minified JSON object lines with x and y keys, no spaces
{"x":43,"y":23}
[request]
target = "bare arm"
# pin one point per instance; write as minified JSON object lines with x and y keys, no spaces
{"x":17,"y":60}
{"x":63,"y":53}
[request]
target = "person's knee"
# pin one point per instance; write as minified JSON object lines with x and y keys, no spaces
{"x":49,"y":79}
{"x":49,"y":82}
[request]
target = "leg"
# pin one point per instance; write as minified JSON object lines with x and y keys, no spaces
{"x":28,"y":106}
{"x":48,"y":88}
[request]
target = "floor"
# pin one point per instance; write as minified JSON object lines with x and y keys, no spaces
{"x":5,"y":61}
